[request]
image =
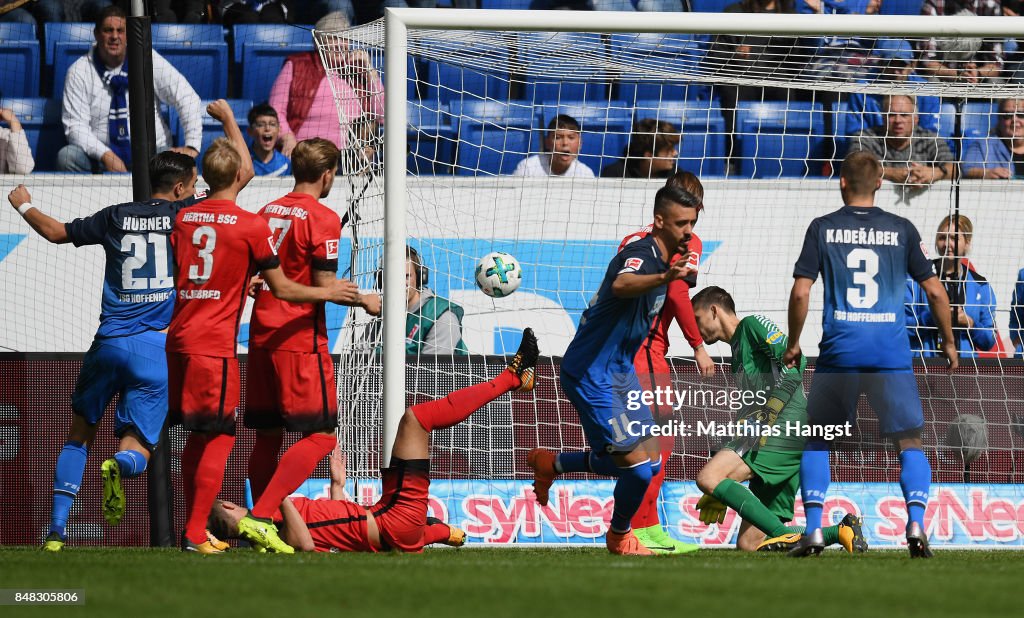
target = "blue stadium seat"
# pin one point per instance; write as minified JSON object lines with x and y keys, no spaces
{"x":711,"y":6}
{"x":675,"y":53}
{"x":280,"y":35}
{"x":493,"y":137}
{"x":521,"y":5}
{"x":780,"y":138}
{"x":447,"y":82}
{"x":16,"y":31}
{"x":431,"y":139}
{"x":41,"y":120}
{"x":979,"y":117}
{"x":605,"y":130}
{"x":64,"y":55}
{"x":19,"y":68}
{"x":586,"y":84}
{"x":702,"y":146}
{"x":261,"y":63}
{"x":62,"y":32}
{"x":198,"y":52}
{"x":901,"y":7}
{"x":211,"y":128}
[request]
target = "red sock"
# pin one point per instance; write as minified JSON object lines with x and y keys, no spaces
{"x":263,"y":462}
{"x":647,"y":515}
{"x":457,"y":407}
{"x":436,"y":533}
{"x":297,"y":463}
{"x":190,"y":455}
{"x":208,"y":479}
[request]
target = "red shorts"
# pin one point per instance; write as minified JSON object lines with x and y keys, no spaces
{"x":202,"y":392}
{"x":401,"y":512}
{"x":653,"y":372}
{"x":294,"y":390}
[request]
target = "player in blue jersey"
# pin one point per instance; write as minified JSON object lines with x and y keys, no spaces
{"x":127,"y":355}
{"x":864,"y":255}
{"x":598,"y":374}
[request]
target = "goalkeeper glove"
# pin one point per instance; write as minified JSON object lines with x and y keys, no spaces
{"x":711,"y":509}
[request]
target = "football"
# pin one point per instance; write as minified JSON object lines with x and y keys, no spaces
{"x":498,"y":274}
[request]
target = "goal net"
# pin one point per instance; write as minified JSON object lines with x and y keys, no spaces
{"x":764,"y":120}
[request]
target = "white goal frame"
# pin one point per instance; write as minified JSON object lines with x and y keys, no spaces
{"x":398,"y":22}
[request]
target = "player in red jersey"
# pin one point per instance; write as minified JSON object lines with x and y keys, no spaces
{"x":290,"y":372}
{"x":398,"y":520}
{"x":653,"y":370}
{"x":217,"y":247}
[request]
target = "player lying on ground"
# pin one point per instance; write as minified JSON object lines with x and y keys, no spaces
{"x":598,"y":374}
{"x":865,"y":255}
{"x":398,"y":521}
{"x":126,"y":357}
{"x":770,"y":463}
{"x":653,"y":369}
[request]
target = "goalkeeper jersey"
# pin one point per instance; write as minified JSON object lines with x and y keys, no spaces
{"x":757,"y":348}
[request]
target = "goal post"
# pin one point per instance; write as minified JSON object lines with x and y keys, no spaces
{"x":456,"y":205}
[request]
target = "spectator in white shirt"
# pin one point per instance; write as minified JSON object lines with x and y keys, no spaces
{"x":15,"y":154}
{"x":561,"y":152}
{"x":95,"y":109}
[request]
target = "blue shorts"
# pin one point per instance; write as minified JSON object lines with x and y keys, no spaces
{"x":134,"y":367}
{"x":892,"y":394}
{"x":605,"y":415}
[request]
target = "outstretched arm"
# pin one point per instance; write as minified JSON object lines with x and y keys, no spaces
{"x":44,"y":225}
{"x":342,"y":291}
{"x":939,"y":303}
{"x":294,"y":530}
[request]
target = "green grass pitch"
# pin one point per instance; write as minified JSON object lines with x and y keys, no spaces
{"x":526,"y":583}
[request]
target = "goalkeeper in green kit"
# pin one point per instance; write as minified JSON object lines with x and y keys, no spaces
{"x":767,"y":448}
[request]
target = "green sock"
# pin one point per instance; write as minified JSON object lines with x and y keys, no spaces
{"x":831,"y":534}
{"x":746,"y":504}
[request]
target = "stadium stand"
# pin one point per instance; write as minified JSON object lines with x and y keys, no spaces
{"x":605,"y":130}
{"x":779,"y":138}
{"x":686,"y":54}
{"x":199,"y":53}
{"x":590,"y":83}
{"x":493,"y":137}
{"x":20,"y":61}
{"x":40,"y":118}
{"x":702,"y":147}
{"x":447,"y":81}
{"x":260,"y":51}
{"x":431,"y":139}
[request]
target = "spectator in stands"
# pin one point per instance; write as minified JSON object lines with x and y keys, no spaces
{"x":95,"y":110}
{"x":756,"y":55}
{"x":35,"y":12}
{"x":893,"y":60}
{"x":961,"y":58}
{"x":561,"y":152}
{"x":651,"y":152}
{"x":1017,"y":316}
{"x":15,"y":153}
{"x":265,"y":131}
{"x":161,"y":11}
{"x":1001,"y":154}
{"x":840,"y":57}
{"x":434,"y":323}
{"x":233,"y":12}
{"x":909,"y":154}
{"x":970,"y":296}
{"x":361,"y":155}
{"x":303,"y":95}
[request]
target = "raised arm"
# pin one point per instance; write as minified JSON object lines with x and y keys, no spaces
{"x":43,"y":224}
{"x":222,"y":113}
{"x":799,"y":299}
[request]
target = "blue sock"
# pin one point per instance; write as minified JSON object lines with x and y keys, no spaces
{"x":572,"y":462}
{"x":655,"y":467}
{"x":629,"y":493}
{"x":814,"y":480}
{"x":604,"y":466}
{"x":67,"y":478}
{"x":915,"y":480}
{"x":132,"y":463}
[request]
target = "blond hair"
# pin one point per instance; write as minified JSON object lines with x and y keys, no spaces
{"x":960,"y":223}
{"x":221,"y":164}
{"x":861,"y":170}
{"x":312,"y":157}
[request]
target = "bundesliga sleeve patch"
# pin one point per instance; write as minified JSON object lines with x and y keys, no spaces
{"x":332,"y":249}
{"x":633,"y":264}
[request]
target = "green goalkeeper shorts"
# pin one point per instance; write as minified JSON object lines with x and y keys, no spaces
{"x":776,"y":479}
